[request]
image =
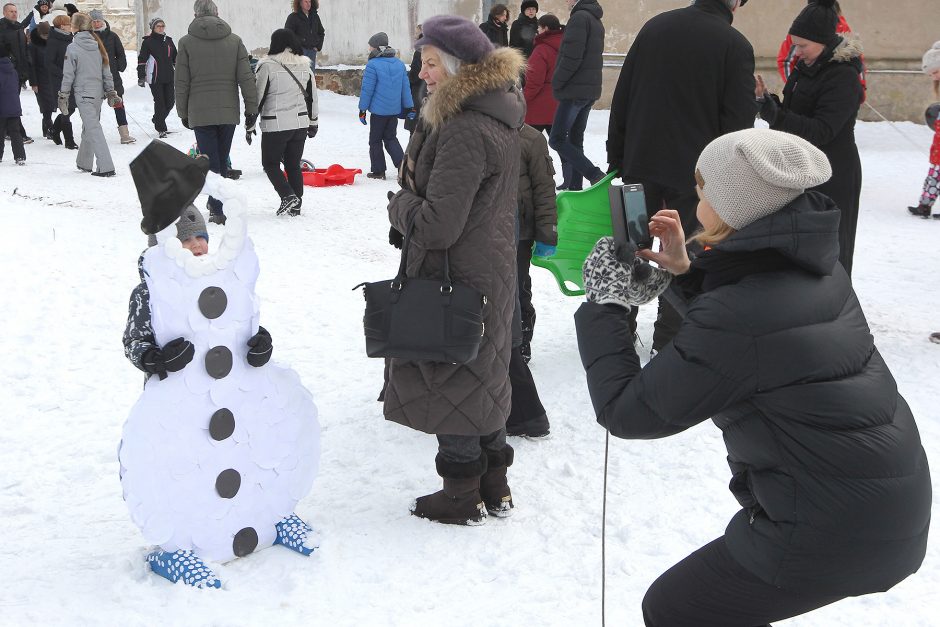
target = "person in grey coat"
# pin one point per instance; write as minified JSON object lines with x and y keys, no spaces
{"x":211,"y":68}
{"x":287,"y":104}
{"x":576,"y":85}
{"x":459,"y":183}
{"x":86,"y":73}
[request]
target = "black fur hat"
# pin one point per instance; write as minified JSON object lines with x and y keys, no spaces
{"x":529,"y":4}
{"x":817,"y":22}
{"x":167,"y":182}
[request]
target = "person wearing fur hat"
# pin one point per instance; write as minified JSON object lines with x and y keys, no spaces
{"x":156,"y":66}
{"x":931,"y":67}
{"x":459,"y":181}
{"x":820,"y":102}
{"x":288,"y":114}
{"x":386,"y":94}
{"x":524,"y":29}
{"x":88,"y":75}
{"x":825,"y":456}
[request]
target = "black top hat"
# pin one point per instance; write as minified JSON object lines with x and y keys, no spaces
{"x":167,"y":182}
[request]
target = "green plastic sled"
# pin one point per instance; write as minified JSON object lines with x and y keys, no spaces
{"x":583,"y":218}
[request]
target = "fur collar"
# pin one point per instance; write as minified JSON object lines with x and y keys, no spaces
{"x":496,"y":71}
{"x":289,"y":58}
{"x":850,"y":48}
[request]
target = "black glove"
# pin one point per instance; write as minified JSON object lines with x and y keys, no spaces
{"x":250,"y":119}
{"x":248,"y":135}
{"x":769,"y":108}
{"x":260,"y":348}
{"x":171,"y":358}
{"x":185,"y":122}
{"x":312,"y":131}
{"x":395,"y":238}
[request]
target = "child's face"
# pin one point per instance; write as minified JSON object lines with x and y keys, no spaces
{"x":198,"y":246}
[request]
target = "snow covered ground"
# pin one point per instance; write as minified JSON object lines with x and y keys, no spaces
{"x":71,"y":556}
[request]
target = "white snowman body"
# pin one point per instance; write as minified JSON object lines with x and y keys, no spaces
{"x":216,"y":454}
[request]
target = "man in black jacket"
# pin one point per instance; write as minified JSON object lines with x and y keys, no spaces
{"x":305,"y":23}
{"x":687,"y":79}
{"x":13,"y":35}
{"x":576,"y":85}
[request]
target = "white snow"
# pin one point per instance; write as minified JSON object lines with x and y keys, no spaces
{"x":71,"y":554}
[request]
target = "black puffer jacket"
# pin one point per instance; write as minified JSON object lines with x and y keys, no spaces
{"x":826,"y":459}
{"x":496,"y":32}
{"x":579,"y":71}
{"x":308,"y":28}
{"x":13,"y":36}
{"x":116,"y":57}
{"x":163,"y":51}
{"x":522,"y":34}
{"x":688,"y":78}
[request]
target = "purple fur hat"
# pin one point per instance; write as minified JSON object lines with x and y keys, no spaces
{"x":457,"y":36}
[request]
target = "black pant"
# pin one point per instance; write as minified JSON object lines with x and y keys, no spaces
{"x":464,"y":449}
{"x":382,"y":129}
{"x":523,"y":262}
{"x":163,"y":100}
{"x":286,"y":146}
{"x":710,"y":589}
{"x":685,"y":202}
{"x":216,"y":143}
{"x":542,"y":128}
{"x":527,"y":415}
{"x":11,"y":127}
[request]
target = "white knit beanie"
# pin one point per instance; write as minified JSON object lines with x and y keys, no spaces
{"x":749,"y":174}
{"x":932,"y":58}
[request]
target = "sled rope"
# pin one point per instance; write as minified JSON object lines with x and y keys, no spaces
{"x":895,"y":127}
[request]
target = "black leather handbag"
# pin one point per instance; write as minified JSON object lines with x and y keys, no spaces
{"x":422,"y":319}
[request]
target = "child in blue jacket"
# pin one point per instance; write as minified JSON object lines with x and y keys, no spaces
{"x":386,"y":93}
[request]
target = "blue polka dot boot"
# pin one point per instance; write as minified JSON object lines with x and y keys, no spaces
{"x":296,"y":535}
{"x":183,"y":566}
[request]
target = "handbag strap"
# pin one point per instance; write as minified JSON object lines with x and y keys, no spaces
{"x":446,"y":285}
{"x":307,"y":100}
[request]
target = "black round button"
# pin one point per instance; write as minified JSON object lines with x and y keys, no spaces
{"x":245,"y":542}
{"x":218,"y":362}
{"x":212,"y":302}
{"x":222,"y":424}
{"x":227,"y":483}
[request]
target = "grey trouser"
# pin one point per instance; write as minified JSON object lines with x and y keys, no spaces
{"x":93,"y":145}
{"x":464,"y":449}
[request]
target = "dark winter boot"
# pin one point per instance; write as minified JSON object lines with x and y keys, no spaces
{"x":288,"y":203}
{"x":494,"y":487}
{"x":56,"y":131}
{"x":46,"y":127}
{"x":459,"y":503}
{"x":67,"y":133}
{"x":922,"y":211}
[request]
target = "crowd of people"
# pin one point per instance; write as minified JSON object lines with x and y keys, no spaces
{"x":825,"y":455}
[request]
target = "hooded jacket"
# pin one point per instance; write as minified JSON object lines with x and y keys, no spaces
{"x":460,"y":179}
{"x":825,"y":456}
{"x":579,"y":71}
{"x":282,"y":105}
{"x":116,"y":56}
{"x":211,"y":68}
{"x":84,"y":73}
{"x":538,"y":214}
{"x":539,"y":99}
{"x":687,"y":79}
{"x":159,"y":52}
{"x":385,"y":86}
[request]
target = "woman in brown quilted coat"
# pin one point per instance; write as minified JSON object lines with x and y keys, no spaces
{"x":459,"y":183}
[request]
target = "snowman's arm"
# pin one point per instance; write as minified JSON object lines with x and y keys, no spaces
{"x":138,"y":334}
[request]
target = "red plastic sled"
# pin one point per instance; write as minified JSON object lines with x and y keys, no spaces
{"x":333,"y":175}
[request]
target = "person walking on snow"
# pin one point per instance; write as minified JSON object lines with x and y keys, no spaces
{"x":931,"y":67}
{"x":10,"y":108}
{"x":386,"y":93}
{"x":156,"y":66}
{"x":117,"y":61}
{"x":87,"y":74}
{"x":60,"y":38}
{"x":39,"y":76}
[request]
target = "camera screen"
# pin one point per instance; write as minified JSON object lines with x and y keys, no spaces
{"x":637,"y":220}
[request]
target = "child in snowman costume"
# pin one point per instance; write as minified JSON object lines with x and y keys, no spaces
{"x":221,"y":445}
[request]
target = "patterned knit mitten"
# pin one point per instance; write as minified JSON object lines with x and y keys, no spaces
{"x":609,"y":281}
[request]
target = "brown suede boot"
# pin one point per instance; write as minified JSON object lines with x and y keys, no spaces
{"x":494,"y":487}
{"x":459,"y":503}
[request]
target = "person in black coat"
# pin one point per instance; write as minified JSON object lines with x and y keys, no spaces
{"x":13,"y":36}
{"x":687,"y":79}
{"x":417,"y":86}
{"x":305,"y":23}
{"x":523,"y":31}
{"x":59,"y":39}
{"x":39,"y":76}
{"x":496,"y":28}
{"x":825,"y":456}
{"x":156,"y":66}
{"x":820,"y":103}
{"x":576,"y":85}
{"x":117,"y":61}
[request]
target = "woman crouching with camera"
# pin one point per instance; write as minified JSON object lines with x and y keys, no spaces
{"x":825,"y":457}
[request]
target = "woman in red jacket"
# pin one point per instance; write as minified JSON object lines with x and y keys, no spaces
{"x":540,"y":102}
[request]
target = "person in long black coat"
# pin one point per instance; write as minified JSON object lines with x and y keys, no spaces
{"x":39,"y":76}
{"x":825,"y":457}
{"x":59,"y":40}
{"x":417,"y":87}
{"x":820,"y":103}
{"x":525,"y":27}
